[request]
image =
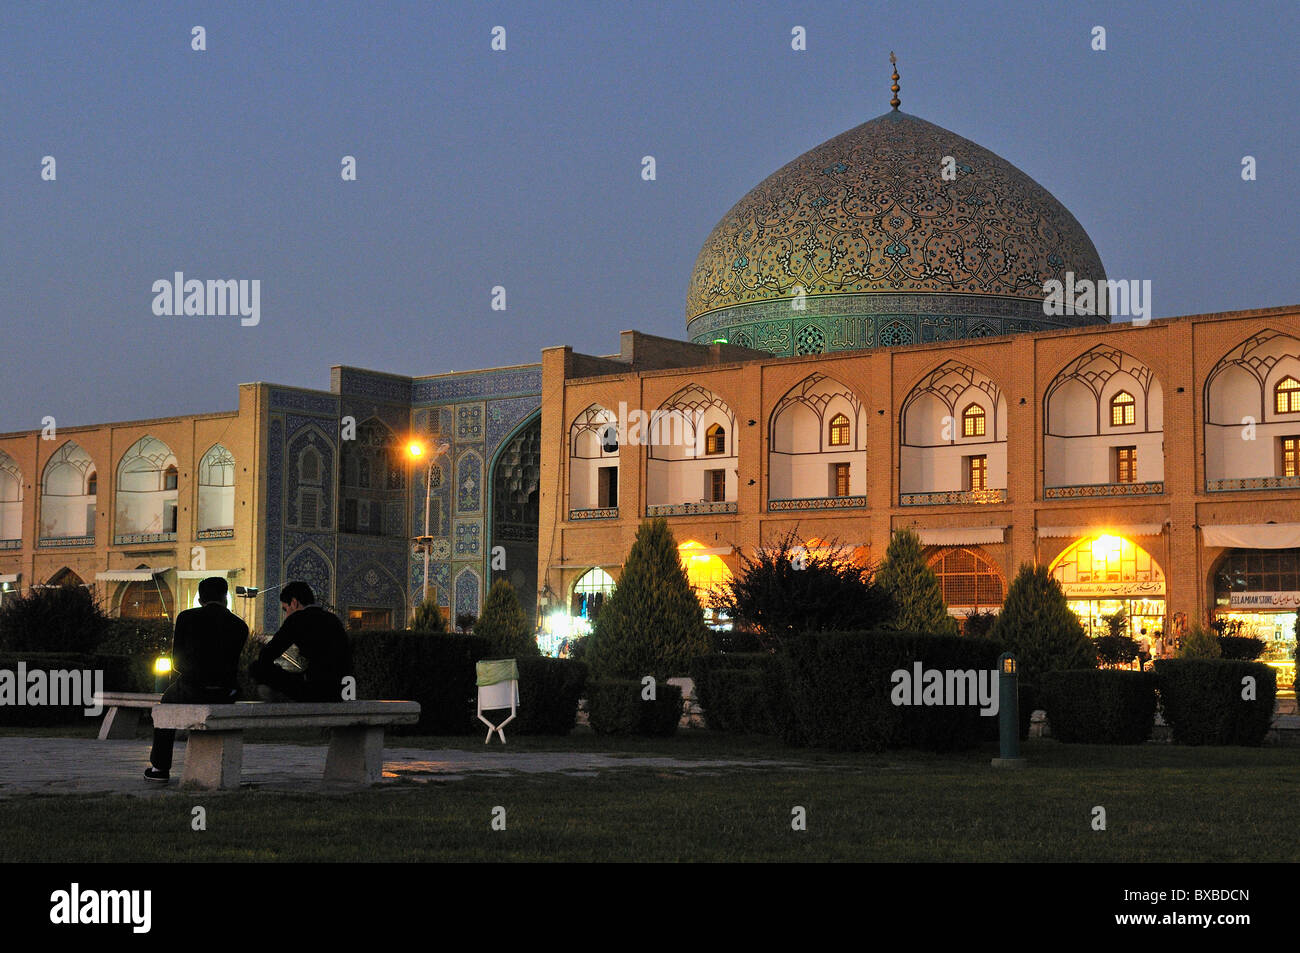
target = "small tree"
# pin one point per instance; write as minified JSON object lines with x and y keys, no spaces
{"x":788,"y":588}
{"x":428,"y":618}
{"x":505,"y":624}
{"x":653,"y":623}
{"x":979,"y":624}
{"x":1038,"y":627}
{"x":56,"y":619}
{"x":918,"y":599}
{"x":1199,"y":642}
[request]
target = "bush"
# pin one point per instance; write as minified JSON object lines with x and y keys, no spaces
{"x":140,"y":641}
{"x":1100,"y":707}
{"x":1199,"y":642}
{"x":1202,"y":700}
{"x":435,"y":670}
{"x":615,"y":707}
{"x":1038,"y":628}
{"x":914,"y":588}
{"x":504,"y":625}
{"x":1116,"y":649}
{"x":1240,"y":648}
{"x":839,"y":686}
{"x":57,"y":619}
{"x":549,"y":689}
{"x":652,"y":624}
{"x":428,"y":618}
{"x":979,"y":625}
{"x":788,"y":588}
{"x":114,"y":668}
{"x":741,"y":692}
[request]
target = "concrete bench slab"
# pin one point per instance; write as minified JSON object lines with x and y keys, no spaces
{"x":122,"y":717}
{"x":215,"y":750}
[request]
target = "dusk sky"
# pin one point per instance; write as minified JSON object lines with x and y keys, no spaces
{"x":522,"y":168}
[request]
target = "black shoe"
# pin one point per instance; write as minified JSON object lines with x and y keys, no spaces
{"x":153,"y":774}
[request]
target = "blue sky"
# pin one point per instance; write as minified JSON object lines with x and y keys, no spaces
{"x":522,"y":169}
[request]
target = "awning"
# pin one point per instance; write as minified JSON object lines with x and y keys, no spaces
{"x":1132,"y":529}
{"x":587,"y":566}
{"x":130,"y":575}
{"x":205,"y":573}
{"x":1253,"y":535}
{"x":9,"y":577}
{"x":961,"y":535}
{"x":714,"y":551}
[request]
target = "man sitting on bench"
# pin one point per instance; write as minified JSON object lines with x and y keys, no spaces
{"x":322,"y":644}
{"x":205,"y":654}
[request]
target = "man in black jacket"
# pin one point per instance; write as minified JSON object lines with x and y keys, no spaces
{"x":205,"y":654}
{"x":322,"y":644}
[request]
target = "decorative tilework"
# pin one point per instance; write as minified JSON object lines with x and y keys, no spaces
{"x":1103,"y":489}
{"x":469,"y":537}
{"x":326,"y":404}
{"x":817,"y":503}
{"x":469,"y":423}
{"x":355,"y":381}
{"x":312,"y":566}
{"x":468,"y":591}
{"x":469,"y":483}
{"x":507,"y":382}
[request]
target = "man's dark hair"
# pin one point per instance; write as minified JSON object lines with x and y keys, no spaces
{"x":297,"y":590}
{"x":213,"y":589}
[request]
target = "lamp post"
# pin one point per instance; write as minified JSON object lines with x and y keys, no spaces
{"x":417,"y":450}
{"x":1008,"y":714}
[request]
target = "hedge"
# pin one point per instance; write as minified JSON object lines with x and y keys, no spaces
{"x":1240,"y":647}
{"x":433,"y":669}
{"x":141,"y":641}
{"x":742,"y":692}
{"x":1092,"y":706}
{"x":114,"y":668}
{"x":1203,"y":704}
{"x":839,"y":687}
{"x":549,"y":689}
{"x":615,"y":707}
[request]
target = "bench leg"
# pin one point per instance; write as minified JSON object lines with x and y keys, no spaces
{"x":356,"y":754}
{"x":213,"y":760}
{"x":120,"y":723}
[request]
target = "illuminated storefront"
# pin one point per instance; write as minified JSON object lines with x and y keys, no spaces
{"x":707,"y":574}
{"x":1256,"y":595}
{"x":1104,"y":574}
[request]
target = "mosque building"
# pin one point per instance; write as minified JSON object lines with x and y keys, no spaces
{"x":880,"y":335}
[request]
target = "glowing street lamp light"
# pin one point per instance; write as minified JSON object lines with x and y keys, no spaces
{"x":162,"y":672}
{"x":417,"y":450}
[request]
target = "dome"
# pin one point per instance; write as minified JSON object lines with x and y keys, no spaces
{"x":877,"y":238}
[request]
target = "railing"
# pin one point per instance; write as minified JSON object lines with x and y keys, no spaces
{"x":131,"y":538}
{"x":816,"y":503}
{"x":595,"y":513}
{"x":689,"y":509}
{"x":61,"y":541}
{"x":224,"y":533}
{"x":1253,"y":483}
{"x":947,"y":497}
{"x":1103,"y":489}
{"x":11,"y":544}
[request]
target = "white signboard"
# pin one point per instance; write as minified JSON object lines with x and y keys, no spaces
{"x":1264,"y":600}
{"x":1113,"y":590}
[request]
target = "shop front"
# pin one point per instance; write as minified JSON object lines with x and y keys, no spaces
{"x":1105,"y":574}
{"x":1256,"y":595}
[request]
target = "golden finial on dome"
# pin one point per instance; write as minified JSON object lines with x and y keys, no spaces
{"x":894,"y":89}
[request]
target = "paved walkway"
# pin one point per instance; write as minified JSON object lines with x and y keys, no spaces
{"x":85,"y":766}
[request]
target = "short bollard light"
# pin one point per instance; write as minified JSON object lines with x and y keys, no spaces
{"x":1008,"y":714}
{"x":162,"y":673}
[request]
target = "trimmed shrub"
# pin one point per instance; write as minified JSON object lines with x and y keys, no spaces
{"x":1202,"y":700}
{"x":141,"y":641}
{"x":435,"y":670}
{"x":504,"y":624}
{"x":1240,"y":648}
{"x":1100,"y":707}
{"x":615,"y":707}
{"x":839,"y":686}
{"x":979,"y":624}
{"x":549,"y":689}
{"x":58,"y":619}
{"x":914,"y":588}
{"x":1116,"y":649}
{"x":653,"y":623}
{"x":114,"y":668}
{"x":1199,"y":642}
{"x":428,"y":618}
{"x":741,"y":692}
{"x":1037,"y":626}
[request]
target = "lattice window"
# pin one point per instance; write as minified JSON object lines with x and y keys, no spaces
{"x":968,"y":578}
{"x":1122,"y":409}
{"x":972,"y":421}
{"x":1287,"y":396}
{"x":715,"y":440}
{"x":839,"y":431}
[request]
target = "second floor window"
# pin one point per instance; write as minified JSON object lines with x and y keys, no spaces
{"x":977,"y":469}
{"x":1287,"y":396}
{"x":715,"y":440}
{"x":839,"y":431}
{"x":1291,"y":456}
{"x":717,"y":485}
{"x":1126,"y":464}
{"x":841,"y":474}
{"x":1122,"y":409}
{"x":972,"y":421}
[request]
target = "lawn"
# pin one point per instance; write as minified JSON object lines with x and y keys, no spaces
{"x":1162,"y":803}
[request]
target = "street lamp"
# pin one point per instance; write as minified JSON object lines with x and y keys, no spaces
{"x":417,"y":451}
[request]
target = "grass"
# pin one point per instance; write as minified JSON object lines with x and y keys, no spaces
{"x":1162,"y":803}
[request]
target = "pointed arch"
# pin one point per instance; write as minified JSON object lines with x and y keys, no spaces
{"x":11,"y":499}
{"x":817,"y":448}
{"x":145,"y":499}
{"x":69,"y":495}
{"x":216,"y":507}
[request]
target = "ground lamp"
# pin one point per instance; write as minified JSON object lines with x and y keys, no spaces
{"x":1008,"y":714}
{"x":162,"y":673}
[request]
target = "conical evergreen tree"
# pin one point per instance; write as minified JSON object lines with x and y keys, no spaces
{"x":1038,"y":627}
{"x":653,"y":623}
{"x":428,"y":618}
{"x":918,"y":598}
{"x":505,"y":624}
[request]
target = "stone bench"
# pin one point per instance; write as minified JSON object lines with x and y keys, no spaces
{"x":122,"y":717}
{"x":214,"y":752}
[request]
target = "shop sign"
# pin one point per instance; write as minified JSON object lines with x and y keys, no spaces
{"x":1264,"y":600}
{"x":1113,"y":590}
